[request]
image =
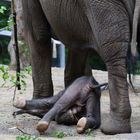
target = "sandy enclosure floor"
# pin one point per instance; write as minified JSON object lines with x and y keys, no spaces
{"x":27,"y":123}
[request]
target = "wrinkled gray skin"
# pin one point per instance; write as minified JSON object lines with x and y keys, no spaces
{"x":80,"y":99}
{"x":102,"y":25}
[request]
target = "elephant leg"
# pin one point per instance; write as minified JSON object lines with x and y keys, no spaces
{"x":76,"y":65}
{"x":71,"y":116}
{"x":44,"y":123}
{"x":45,"y":103}
{"x":120,"y":113}
{"x":62,"y":105}
{"x":34,"y":112}
{"x":110,"y":24}
{"x":92,"y":118}
{"x":38,"y":37}
{"x":66,"y":118}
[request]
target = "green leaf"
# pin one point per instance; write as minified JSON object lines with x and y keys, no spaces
{"x":5,"y":76}
{"x":58,"y":134}
{"x":2,"y":68}
{"x":28,"y":70}
{"x":2,"y":9}
{"x":24,"y":137}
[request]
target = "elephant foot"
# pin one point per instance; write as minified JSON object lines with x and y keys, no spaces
{"x":43,"y":90}
{"x":20,"y":103}
{"x":113,"y":126}
{"x":87,"y":122}
{"x":42,"y":126}
{"x":81,"y":125}
{"x":38,"y":96}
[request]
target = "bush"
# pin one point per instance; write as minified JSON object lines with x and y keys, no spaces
{"x":5,"y":10}
{"x":4,"y":41}
{"x":4,"y":55}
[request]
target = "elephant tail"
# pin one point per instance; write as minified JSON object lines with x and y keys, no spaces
{"x":135,"y":23}
{"x":103,"y":86}
{"x":133,"y":52}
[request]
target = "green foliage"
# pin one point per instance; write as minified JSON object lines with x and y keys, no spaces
{"x":22,"y":76}
{"x":24,"y":137}
{"x":58,"y":134}
{"x":89,"y":132}
{"x":6,"y":76}
{"x":137,"y":68}
{"x":2,"y":9}
{"x":5,"y":73}
{"x":4,"y":55}
{"x":5,"y":21}
{"x":5,"y":10}
{"x":28,"y":70}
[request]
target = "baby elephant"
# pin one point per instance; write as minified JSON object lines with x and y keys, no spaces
{"x":79,"y":103}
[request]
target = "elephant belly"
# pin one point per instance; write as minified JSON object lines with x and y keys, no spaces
{"x":68,"y":21}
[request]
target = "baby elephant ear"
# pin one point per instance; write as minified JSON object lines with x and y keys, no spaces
{"x":104,"y":85}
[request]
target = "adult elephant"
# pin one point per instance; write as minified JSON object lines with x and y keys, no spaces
{"x":102,"y":25}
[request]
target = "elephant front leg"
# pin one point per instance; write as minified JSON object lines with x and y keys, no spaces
{"x":62,"y":105}
{"x":41,"y":67}
{"x":36,"y":107}
{"x":92,"y":118}
{"x":38,"y":36}
{"x":120,"y":110}
{"x":44,"y":104}
{"x":44,"y":123}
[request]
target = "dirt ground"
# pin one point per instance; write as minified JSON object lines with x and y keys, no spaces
{"x":27,"y":123}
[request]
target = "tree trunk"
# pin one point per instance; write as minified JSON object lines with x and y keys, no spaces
{"x":23,"y":48}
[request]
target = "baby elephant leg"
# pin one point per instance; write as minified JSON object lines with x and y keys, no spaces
{"x":77,"y":91}
{"x":69,"y":117}
{"x":92,"y":119}
{"x":42,"y":104}
{"x":62,"y":105}
{"x":66,"y":118}
{"x":43,"y":124}
{"x":35,"y":112}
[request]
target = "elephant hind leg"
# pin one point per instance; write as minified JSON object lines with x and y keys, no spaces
{"x":85,"y":123}
{"x":92,"y":118}
{"x":34,"y":112}
{"x":76,"y":65}
{"x":120,"y":109}
{"x":45,"y":103}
